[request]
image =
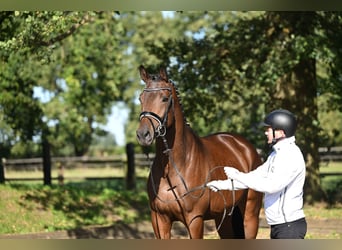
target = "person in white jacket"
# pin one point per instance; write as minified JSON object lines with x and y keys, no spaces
{"x":281,"y":178}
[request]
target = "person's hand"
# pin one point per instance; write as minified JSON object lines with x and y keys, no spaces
{"x":219,"y":185}
{"x":231,"y":173}
{"x":213,"y":185}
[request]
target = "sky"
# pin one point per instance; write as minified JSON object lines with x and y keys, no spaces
{"x":116,"y":123}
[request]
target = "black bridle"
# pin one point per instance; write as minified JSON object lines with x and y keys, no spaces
{"x":160,"y":130}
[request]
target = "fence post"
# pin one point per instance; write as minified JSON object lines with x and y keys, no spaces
{"x":130,"y":177}
{"x":46,"y":160}
{"x":2,"y":172}
{"x":60,"y":173}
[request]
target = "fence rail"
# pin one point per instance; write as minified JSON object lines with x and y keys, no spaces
{"x":116,"y":161}
{"x":330,"y":153}
{"x":62,"y":164}
{"x":37,"y":163}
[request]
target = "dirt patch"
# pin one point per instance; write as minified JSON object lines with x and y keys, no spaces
{"x":317,"y":229}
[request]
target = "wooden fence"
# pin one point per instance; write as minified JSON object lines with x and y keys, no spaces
{"x":129,"y":162}
{"x":330,"y":153}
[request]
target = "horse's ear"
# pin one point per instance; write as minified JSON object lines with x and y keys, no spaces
{"x":143,"y":74}
{"x":163,"y":74}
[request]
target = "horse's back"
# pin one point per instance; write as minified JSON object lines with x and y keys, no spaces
{"x":232,"y":150}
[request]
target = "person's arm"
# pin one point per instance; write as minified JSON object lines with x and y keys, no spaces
{"x":228,"y":184}
{"x":286,"y":167}
{"x":236,"y":185}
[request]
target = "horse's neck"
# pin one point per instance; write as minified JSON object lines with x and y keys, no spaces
{"x":178,"y":141}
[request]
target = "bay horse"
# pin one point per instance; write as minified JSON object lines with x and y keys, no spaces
{"x":185,"y":162}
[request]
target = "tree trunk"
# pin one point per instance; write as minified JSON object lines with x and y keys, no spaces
{"x":297,"y":92}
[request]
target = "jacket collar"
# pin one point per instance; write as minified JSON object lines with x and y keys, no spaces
{"x":284,"y":142}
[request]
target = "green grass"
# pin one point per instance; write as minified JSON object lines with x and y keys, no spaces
{"x":331,"y":167}
{"x":322,"y":211}
{"x":77,"y":173}
{"x":30,"y":208}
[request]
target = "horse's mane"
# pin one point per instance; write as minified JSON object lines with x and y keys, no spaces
{"x":179,"y":101}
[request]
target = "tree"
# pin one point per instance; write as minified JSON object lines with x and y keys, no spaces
{"x":84,"y":79}
{"x":231,"y":68}
{"x":142,"y":31}
{"x":246,"y":64}
{"x":27,"y":40}
{"x":73,"y":58}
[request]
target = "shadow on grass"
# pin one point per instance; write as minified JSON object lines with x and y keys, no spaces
{"x":88,"y":203}
{"x":332,"y":187}
{"x":120,"y":230}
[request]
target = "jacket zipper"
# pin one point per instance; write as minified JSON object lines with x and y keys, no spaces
{"x":282,"y":200}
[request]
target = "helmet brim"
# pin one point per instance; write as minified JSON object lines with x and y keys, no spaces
{"x":264,"y":124}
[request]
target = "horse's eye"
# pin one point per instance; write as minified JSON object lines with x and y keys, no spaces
{"x":165,"y":99}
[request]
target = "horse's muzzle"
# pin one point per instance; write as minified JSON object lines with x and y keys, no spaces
{"x":145,"y":136}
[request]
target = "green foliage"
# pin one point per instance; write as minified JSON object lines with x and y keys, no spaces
{"x":27,"y":40}
{"x":234,"y":67}
{"x":25,"y":150}
{"x":16,"y":90}
{"x":143,"y":30}
{"x":330,"y":121}
{"x":332,"y":186}
{"x":84,"y":80}
{"x":104,"y":146}
{"x":70,"y":57}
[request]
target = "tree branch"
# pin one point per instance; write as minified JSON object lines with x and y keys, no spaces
{"x":87,"y":18}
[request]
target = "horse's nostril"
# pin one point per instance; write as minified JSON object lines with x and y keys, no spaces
{"x":147,"y":134}
{"x":143,"y":135}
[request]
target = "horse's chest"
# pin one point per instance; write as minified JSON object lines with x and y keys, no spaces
{"x":169,"y":197}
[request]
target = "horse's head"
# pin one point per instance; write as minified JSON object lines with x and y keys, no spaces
{"x":156,"y":102}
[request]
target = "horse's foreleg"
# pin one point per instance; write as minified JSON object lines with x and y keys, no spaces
{"x":161,"y":225}
{"x":196,"y":227}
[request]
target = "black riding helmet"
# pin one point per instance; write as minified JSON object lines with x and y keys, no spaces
{"x":282,"y":119}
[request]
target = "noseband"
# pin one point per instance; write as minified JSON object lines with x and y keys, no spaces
{"x":160,"y":130}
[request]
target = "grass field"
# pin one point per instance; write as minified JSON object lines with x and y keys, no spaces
{"x":28,"y":207}
{"x":80,"y":173}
